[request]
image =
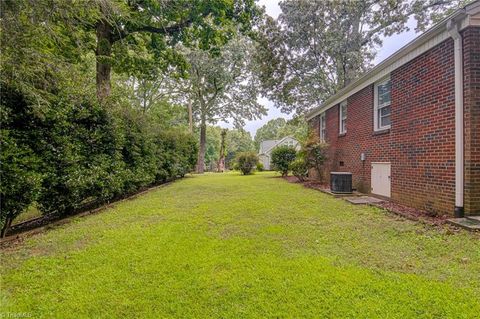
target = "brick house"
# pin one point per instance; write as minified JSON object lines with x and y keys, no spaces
{"x":409,"y":129}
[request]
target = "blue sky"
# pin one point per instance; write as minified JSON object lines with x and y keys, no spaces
{"x":390,"y":45}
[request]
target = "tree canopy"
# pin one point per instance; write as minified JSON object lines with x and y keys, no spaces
{"x":317,"y":47}
{"x":139,"y":36}
{"x":221,"y":87}
{"x":76,"y":134}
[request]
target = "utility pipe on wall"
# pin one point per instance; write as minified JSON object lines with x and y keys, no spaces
{"x":459,"y":140}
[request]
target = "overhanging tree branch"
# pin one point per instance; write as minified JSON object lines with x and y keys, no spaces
{"x":173,"y":29}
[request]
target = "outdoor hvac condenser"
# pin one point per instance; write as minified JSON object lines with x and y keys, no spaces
{"x":341,"y":182}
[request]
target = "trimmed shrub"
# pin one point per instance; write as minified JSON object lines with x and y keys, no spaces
{"x":67,"y":154}
{"x":260,"y":167}
{"x":81,"y":157}
{"x":247,"y":161}
{"x":299,"y":168}
{"x":282,"y":156}
{"x":19,"y":165}
{"x":315,"y":153}
{"x":20,"y":181}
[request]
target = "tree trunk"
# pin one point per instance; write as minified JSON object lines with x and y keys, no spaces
{"x":103,"y":54}
{"x":6,"y":226}
{"x":190,"y":117}
{"x":221,"y":159}
{"x":144,"y":85}
{"x":201,"y":150}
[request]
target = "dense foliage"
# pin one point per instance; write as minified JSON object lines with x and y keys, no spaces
{"x":282,"y":156}
{"x":86,"y":86}
{"x":69,"y":154}
{"x":299,"y":168}
{"x":314,"y":152}
{"x":317,"y":47}
{"x":260,"y":167}
{"x":247,"y":162}
{"x":236,"y":141}
{"x":20,"y":181}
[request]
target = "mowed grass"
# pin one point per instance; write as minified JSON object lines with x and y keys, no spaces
{"x":231,"y":246}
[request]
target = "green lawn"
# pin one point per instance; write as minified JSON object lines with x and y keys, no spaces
{"x":231,"y":246}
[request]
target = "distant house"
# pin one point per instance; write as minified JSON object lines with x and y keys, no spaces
{"x":266,"y":148}
{"x":409,"y":129}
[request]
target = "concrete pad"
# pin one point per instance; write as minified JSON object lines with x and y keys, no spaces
{"x":475,"y":218}
{"x":466,"y":223}
{"x":363,"y":200}
{"x":339,"y":195}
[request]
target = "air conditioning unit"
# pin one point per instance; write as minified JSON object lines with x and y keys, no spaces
{"x":341,"y":182}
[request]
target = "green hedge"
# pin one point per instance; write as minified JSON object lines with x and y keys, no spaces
{"x":65,"y":155}
{"x":282,"y":156}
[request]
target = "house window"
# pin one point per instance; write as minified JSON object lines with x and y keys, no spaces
{"x":382,"y":105}
{"x":343,"y":117}
{"x":323,"y":128}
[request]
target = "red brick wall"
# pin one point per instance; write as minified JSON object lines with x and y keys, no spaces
{"x":314,"y":125}
{"x":423,"y":131}
{"x":419,"y":145}
{"x":471,"y":51}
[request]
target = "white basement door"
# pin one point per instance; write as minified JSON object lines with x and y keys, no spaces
{"x":381,"y":184}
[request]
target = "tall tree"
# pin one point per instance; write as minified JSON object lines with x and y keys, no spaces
{"x":44,"y":44}
{"x":221,"y":155}
{"x":212,"y":146}
{"x":150,"y":29}
{"x":221,"y":87}
{"x":317,"y":47}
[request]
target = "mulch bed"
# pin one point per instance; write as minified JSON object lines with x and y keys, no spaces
{"x":310,"y":183}
{"x":413,"y":213}
{"x":390,"y":206}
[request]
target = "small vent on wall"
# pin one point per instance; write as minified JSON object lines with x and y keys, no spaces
{"x":342,"y":163}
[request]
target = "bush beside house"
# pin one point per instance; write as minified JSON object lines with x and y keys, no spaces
{"x":314,"y":153}
{"x":282,"y":156}
{"x":299,"y":168}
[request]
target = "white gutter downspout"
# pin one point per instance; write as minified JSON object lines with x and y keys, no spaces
{"x":452,"y":28}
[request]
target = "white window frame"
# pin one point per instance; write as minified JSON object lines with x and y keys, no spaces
{"x":323,"y":126}
{"x":376,"y":107}
{"x":342,"y":128}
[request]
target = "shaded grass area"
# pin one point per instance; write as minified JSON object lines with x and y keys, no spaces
{"x":231,"y":246}
{"x":31,"y":213}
